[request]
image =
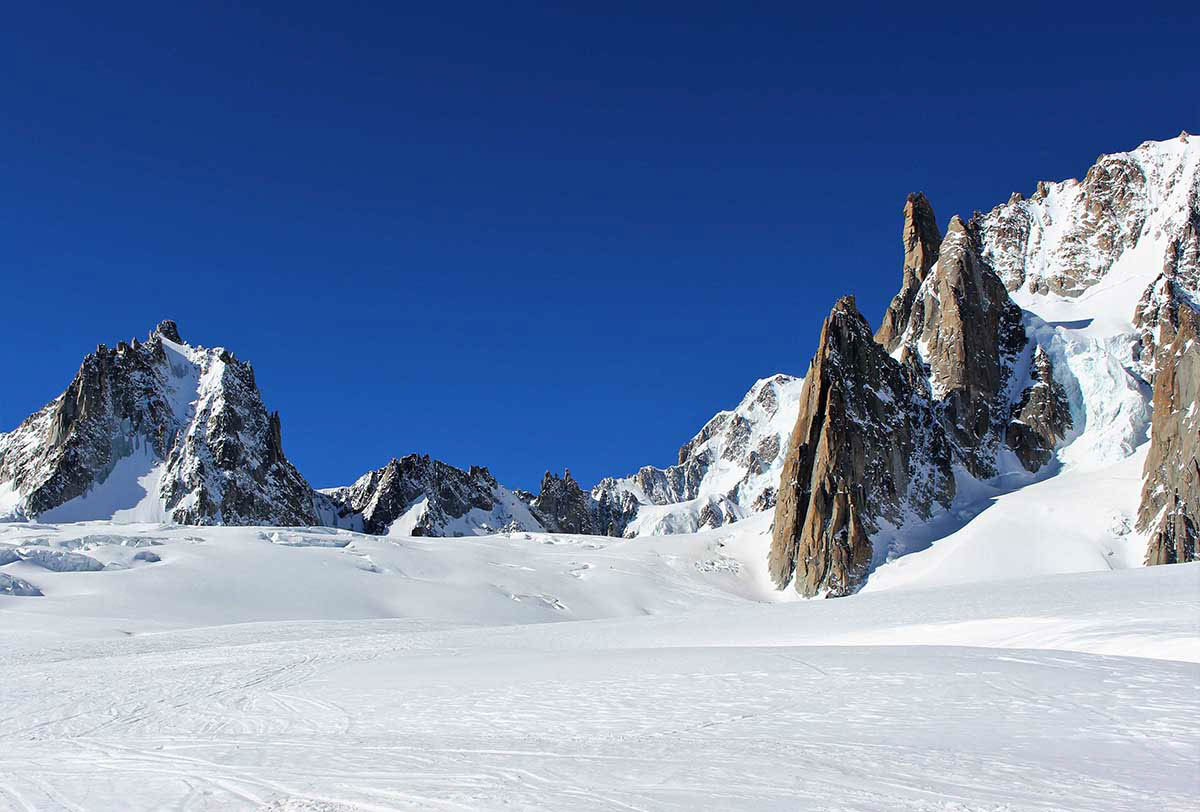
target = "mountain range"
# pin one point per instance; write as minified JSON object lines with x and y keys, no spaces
{"x":1051,"y":338}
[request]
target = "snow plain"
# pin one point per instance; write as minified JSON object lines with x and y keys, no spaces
{"x":316,"y":669}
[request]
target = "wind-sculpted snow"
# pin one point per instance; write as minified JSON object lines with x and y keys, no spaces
{"x":19,"y":587}
{"x":536,"y":671}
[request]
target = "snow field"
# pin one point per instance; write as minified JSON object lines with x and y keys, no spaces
{"x":314,"y":669}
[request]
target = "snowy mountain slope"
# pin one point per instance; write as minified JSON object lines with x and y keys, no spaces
{"x":316,"y":669}
{"x":1121,"y":218}
{"x":151,"y":431}
{"x":728,"y":471}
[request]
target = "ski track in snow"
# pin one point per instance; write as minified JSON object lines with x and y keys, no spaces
{"x":262,"y":668}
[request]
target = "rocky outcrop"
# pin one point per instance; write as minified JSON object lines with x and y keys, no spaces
{"x":922,"y":239}
{"x":192,"y":418}
{"x":967,"y":332}
{"x":563,"y":507}
{"x":867,"y":449}
{"x":1041,"y":418}
{"x":420,"y":496}
{"x":1170,"y":508}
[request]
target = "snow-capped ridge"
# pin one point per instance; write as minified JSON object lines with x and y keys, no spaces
{"x":727,"y":471}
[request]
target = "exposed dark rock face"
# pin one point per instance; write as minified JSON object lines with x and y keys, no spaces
{"x":1170,"y":506}
{"x":197,"y":412}
{"x":436,"y":499}
{"x":922,"y":239}
{"x":867,"y":448}
{"x":229,"y":466}
{"x":615,"y":508}
{"x":1182,"y":262}
{"x":563,"y":507}
{"x":1042,"y":417}
{"x":168,"y":330}
{"x":1156,"y":318}
{"x":967,"y":331}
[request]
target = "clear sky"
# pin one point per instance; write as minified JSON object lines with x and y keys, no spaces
{"x":526,"y":236}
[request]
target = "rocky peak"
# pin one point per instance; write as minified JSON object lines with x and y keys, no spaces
{"x":563,"y":507}
{"x":866,"y":449}
{"x":117,"y":401}
{"x":192,"y":418}
{"x":727,"y":471}
{"x":922,"y":240}
{"x":168,"y":330}
{"x":966,"y":331}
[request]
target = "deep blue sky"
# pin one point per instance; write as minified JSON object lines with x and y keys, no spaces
{"x":526,"y":236}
